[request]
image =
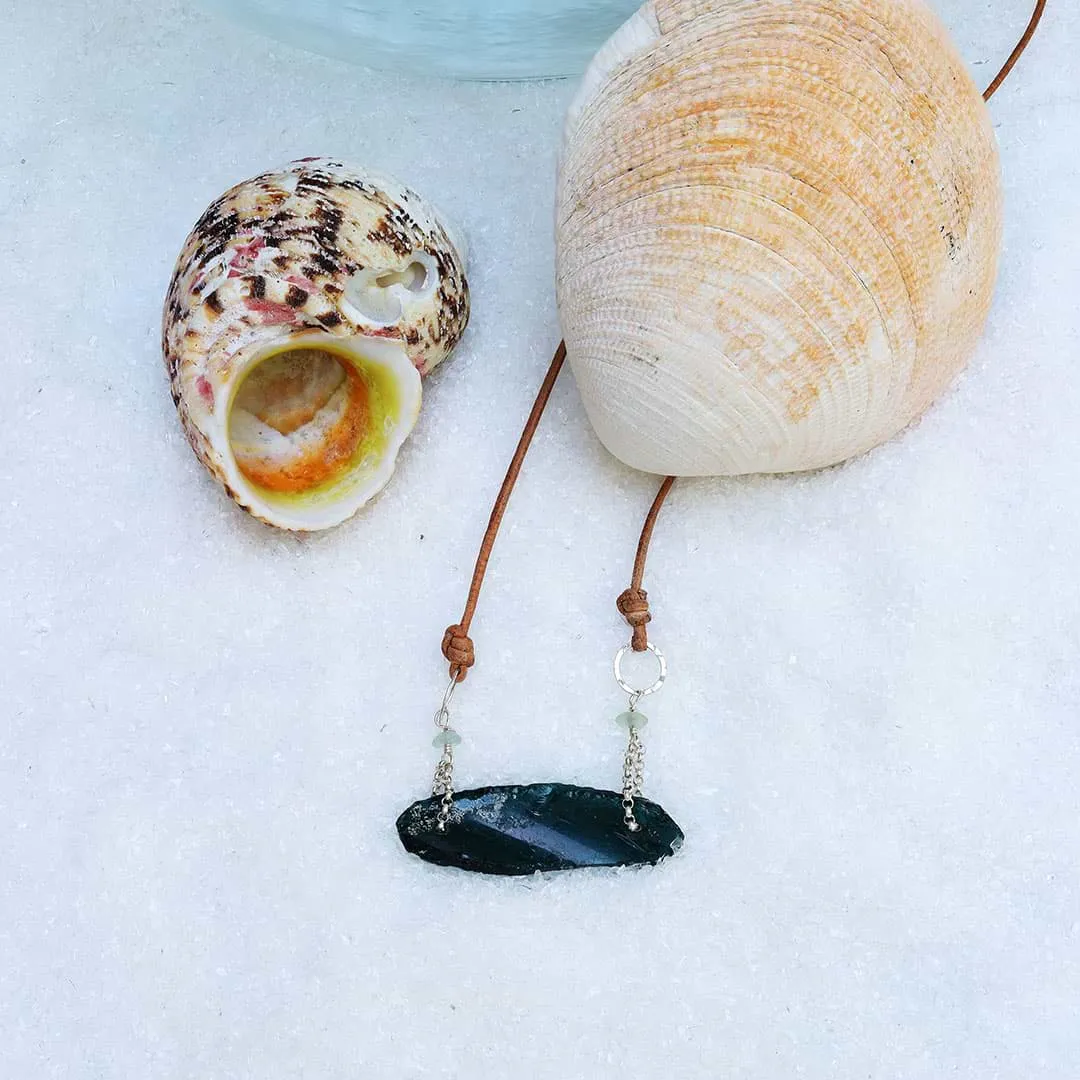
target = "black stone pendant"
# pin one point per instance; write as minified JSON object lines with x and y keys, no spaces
{"x":524,"y":828}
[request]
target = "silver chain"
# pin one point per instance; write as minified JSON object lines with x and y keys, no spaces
{"x":633,"y":778}
{"x":444,"y":786}
{"x":634,"y":761}
{"x":443,"y":783}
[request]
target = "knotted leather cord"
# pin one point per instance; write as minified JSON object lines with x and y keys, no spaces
{"x":633,"y":603}
{"x":457,"y":646}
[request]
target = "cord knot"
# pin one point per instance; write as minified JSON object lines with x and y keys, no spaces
{"x":457,"y":647}
{"x":633,"y":605}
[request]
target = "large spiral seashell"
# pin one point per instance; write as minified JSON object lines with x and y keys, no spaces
{"x":305,"y":307}
{"x":778,"y":227}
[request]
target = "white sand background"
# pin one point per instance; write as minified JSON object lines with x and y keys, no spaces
{"x":871,"y":733}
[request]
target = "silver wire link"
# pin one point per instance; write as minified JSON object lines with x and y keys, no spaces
{"x":634,"y":761}
{"x":443,"y":783}
{"x":442,"y":713}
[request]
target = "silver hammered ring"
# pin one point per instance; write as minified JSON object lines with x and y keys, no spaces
{"x":634,"y":691}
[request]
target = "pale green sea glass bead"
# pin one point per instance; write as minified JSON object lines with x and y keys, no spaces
{"x":449,"y":737}
{"x":631,"y":721}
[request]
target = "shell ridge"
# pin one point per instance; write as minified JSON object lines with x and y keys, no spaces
{"x":770,"y":413}
{"x":854,"y":273}
{"x":638,"y":34}
{"x":757,"y":400}
{"x":663,"y":191}
{"x":790,"y":212}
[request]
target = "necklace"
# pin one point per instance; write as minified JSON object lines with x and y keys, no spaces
{"x":525,"y":828}
{"x":522,"y":828}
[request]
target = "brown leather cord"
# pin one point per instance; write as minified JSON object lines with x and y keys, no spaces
{"x":633,"y":603}
{"x":1015,"y":55}
{"x":457,"y":646}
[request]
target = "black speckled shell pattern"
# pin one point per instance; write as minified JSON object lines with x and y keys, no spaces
{"x":274,"y":256}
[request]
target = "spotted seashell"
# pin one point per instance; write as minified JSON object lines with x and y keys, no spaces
{"x":304,"y":308}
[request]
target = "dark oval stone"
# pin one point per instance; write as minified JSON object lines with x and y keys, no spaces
{"x":520,"y":829}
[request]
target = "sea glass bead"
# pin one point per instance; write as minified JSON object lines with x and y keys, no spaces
{"x":447,"y":737}
{"x":631,"y":721}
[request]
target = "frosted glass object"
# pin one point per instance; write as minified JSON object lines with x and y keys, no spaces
{"x":465,"y":39}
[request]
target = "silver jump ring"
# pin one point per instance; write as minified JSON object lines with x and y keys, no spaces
{"x":634,"y":691}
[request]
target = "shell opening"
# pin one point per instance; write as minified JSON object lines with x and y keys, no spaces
{"x":413,"y":277}
{"x":380,"y":295}
{"x":313,"y":427}
{"x":298,"y":419}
